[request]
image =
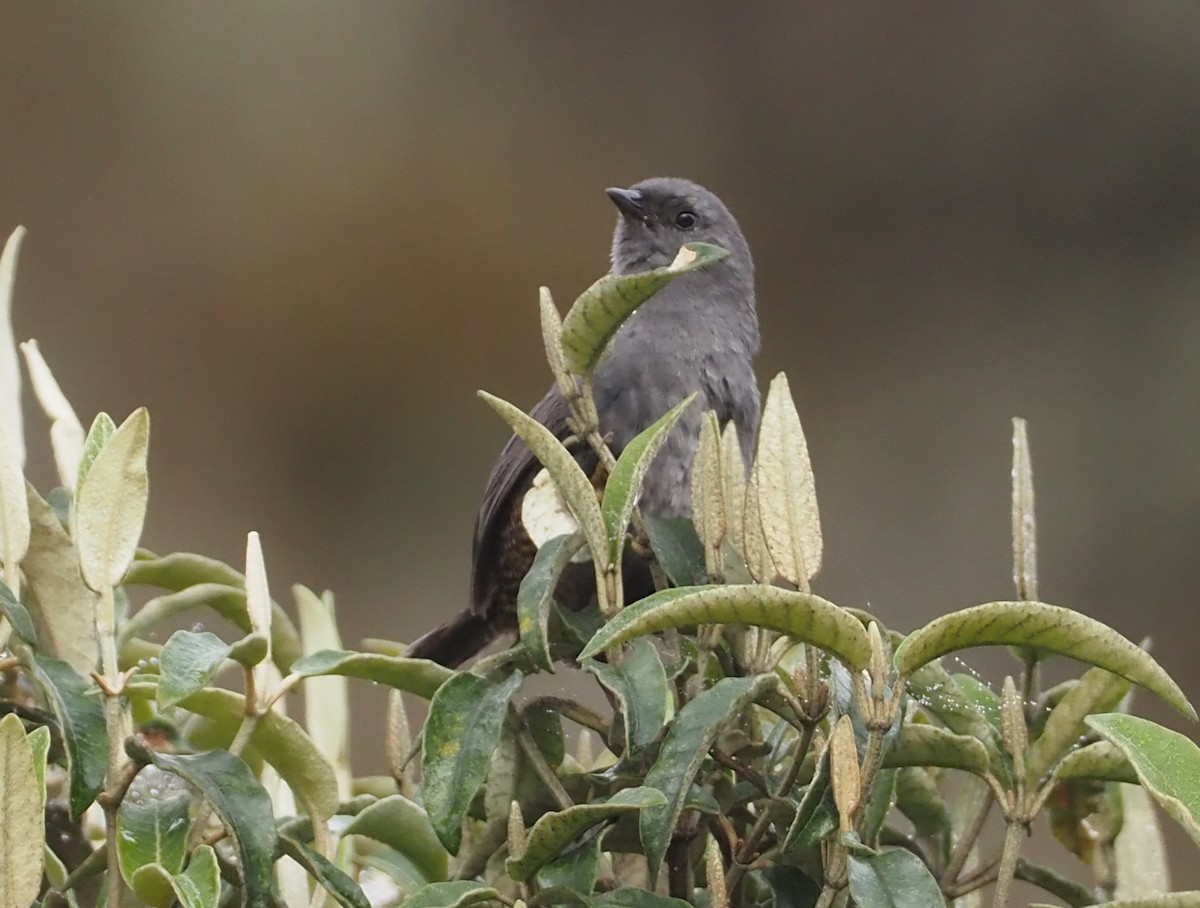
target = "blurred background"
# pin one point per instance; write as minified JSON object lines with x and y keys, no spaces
{"x":303,"y":234}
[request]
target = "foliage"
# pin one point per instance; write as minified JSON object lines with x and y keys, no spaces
{"x":762,"y":746}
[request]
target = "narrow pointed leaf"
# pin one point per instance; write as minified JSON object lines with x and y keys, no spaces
{"x":111,"y":507}
{"x":684,"y":749}
{"x":14,"y":512}
{"x":787,"y":497}
{"x":640,"y":684}
{"x":336,"y":881}
{"x":708,"y":487}
{"x":97,"y":437}
{"x":552,"y":340}
{"x":573,"y":484}
{"x":403,"y":825}
{"x":1140,"y":851}
{"x":554,"y":831}
{"x":454,"y":894}
{"x":63,"y":608}
{"x":81,"y":723}
{"x":258,"y":596}
{"x":280,"y":741}
{"x":11,"y":425}
{"x":1045,"y":626}
{"x":754,"y":543}
{"x":1098,"y":691}
{"x":600,"y":310}
{"x":535,"y":598}
{"x":22,"y":832}
{"x":326,"y":699}
{"x":802,"y":616}
{"x":416,"y":676}
{"x":463,"y":728}
{"x":199,"y":886}
{"x":1024,"y":519}
{"x":243,"y":806}
{"x":894,"y":878}
{"x":187,"y":663}
{"x":66,"y":432}
{"x":625,"y":483}
{"x":733,"y":479}
{"x":18,"y":616}
{"x":1167,"y":763}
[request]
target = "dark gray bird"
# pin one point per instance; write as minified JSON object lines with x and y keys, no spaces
{"x":700,"y":333}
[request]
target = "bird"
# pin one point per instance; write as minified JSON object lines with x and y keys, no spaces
{"x":698,"y":334}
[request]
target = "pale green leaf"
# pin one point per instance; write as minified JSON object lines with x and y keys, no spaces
{"x":66,"y":432}
{"x":111,"y":506}
{"x":787,"y":497}
{"x":22,"y":832}
{"x":1167,"y":764}
{"x":63,"y":608}
{"x":326,"y":698}
{"x":11,"y":424}
{"x":1140,"y":851}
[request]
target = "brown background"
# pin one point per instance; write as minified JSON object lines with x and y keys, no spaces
{"x":303,"y":234}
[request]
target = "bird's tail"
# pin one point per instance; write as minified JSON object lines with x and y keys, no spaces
{"x":454,"y":642}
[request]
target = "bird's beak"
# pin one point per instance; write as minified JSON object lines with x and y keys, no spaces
{"x":630,"y":202}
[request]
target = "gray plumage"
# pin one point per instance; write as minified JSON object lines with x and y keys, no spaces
{"x":699,"y":333}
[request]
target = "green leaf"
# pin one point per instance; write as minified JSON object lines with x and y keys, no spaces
{"x":111,"y":506}
{"x":199,"y":886}
{"x":684,"y":749}
{"x":337,"y":882}
{"x":455,"y":894}
{"x":893,"y":878}
{"x":572,"y":483}
{"x":928,"y":745}
{"x":326,"y":700}
{"x":535,"y":598}
{"x":787,"y":497}
{"x":1044,"y":626}
{"x":187,"y":663}
{"x":153,"y":830}
{"x":22,"y":832}
{"x":76,"y":705}
{"x":64,"y":609}
{"x":416,"y":676}
{"x":1099,"y":760}
{"x":1097,"y":691}
{"x":625,"y":482}
{"x":403,"y":825}
{"x":575,"y":870}
{"x":101,"y":431}
{"x":941,"y":694}
{"x":629,"y":897}
{"x":462,"y":730}
{"x":802,"y":616}
{"x":1167,"y":764}
{"x":600,"y":310}
{"x":554,"y":831}
{"x":243,"y":806}
{"x":18,"y":616}
{"x":678,"y":549}
{"x":918,"y":798}
{"x":280,"y":741}
{"x":1140,"y":850}
{"x":640,"y":684}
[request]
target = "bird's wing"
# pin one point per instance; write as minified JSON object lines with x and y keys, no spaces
{"x":514,"y":468}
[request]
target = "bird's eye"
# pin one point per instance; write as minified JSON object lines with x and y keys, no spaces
{"x":686,"y":220}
